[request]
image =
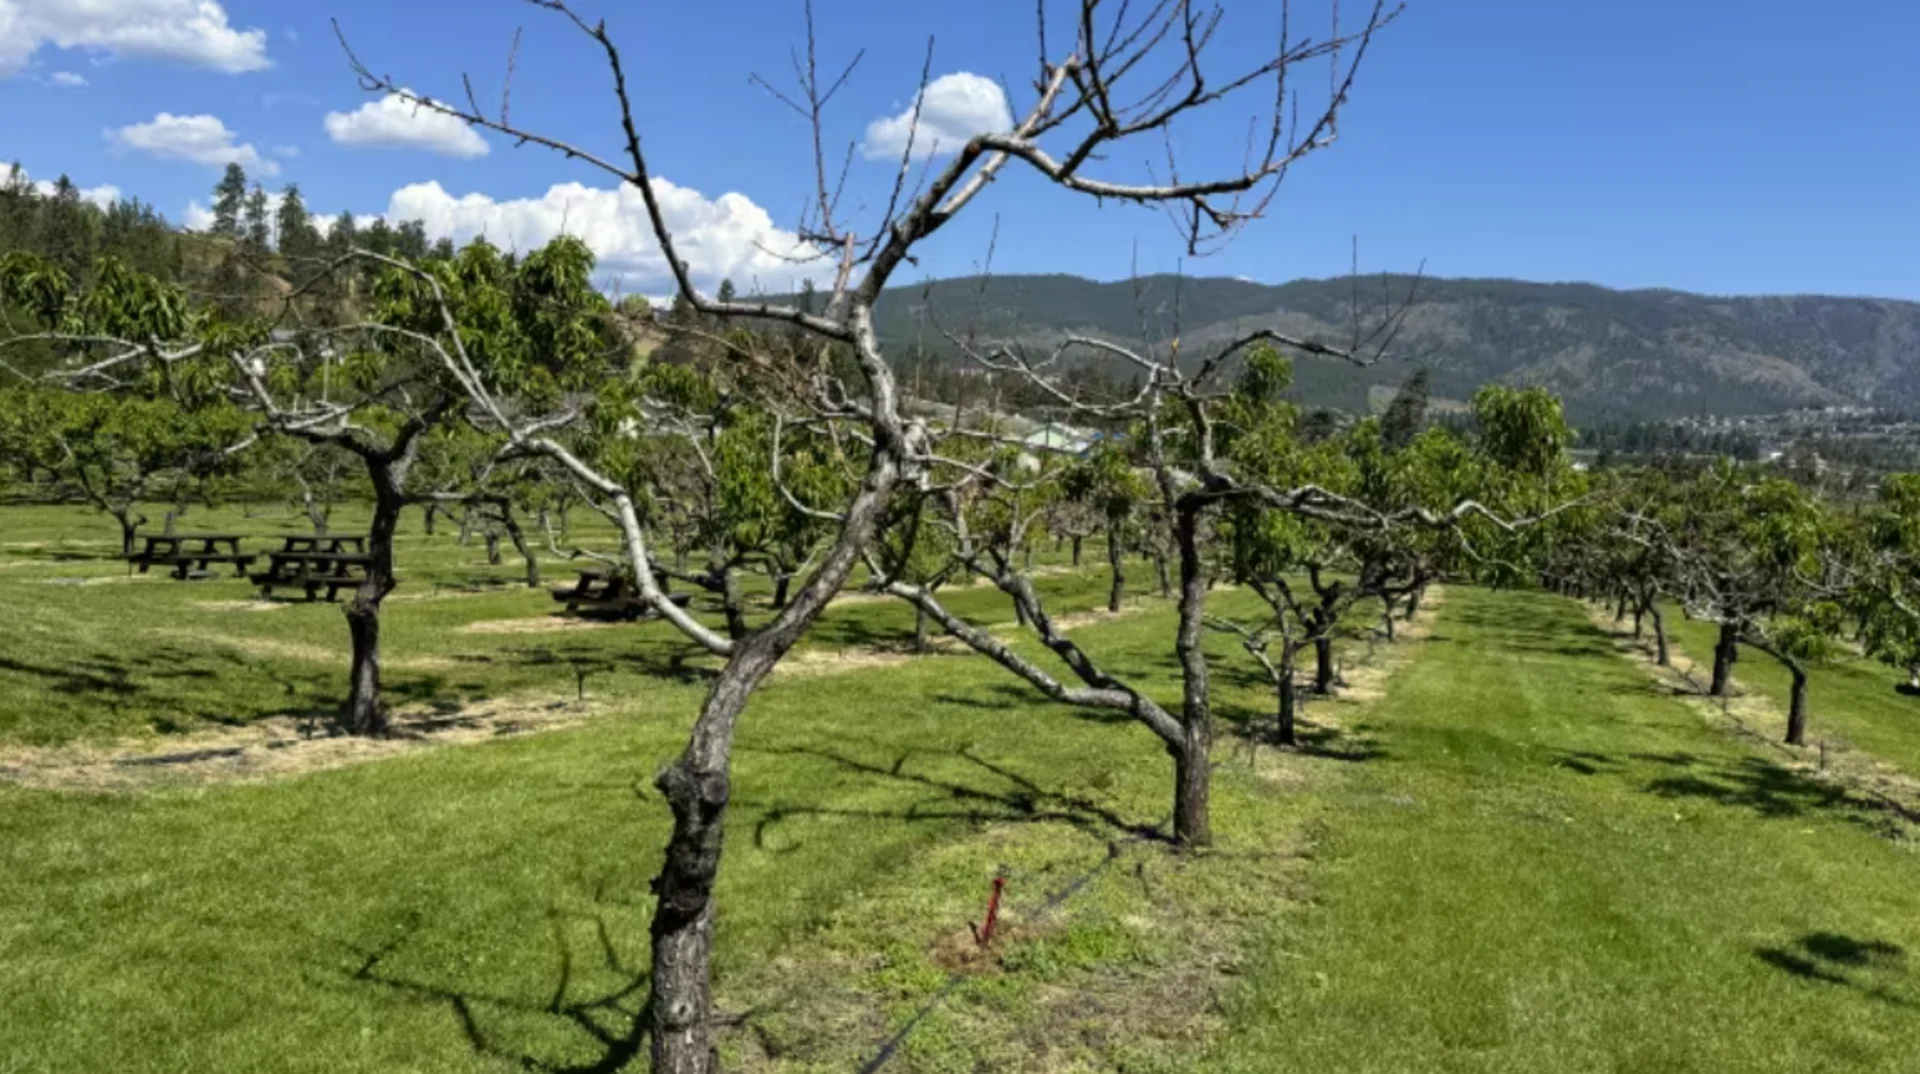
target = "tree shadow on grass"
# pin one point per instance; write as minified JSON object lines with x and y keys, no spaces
{"x":1872,"y":967}
{"x":612,"y":1020}
{"x":1020,"y":800}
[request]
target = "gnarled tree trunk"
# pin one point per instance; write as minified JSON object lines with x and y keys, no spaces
{"x":1797,"y":705}
{"x":1076,"y":550}
{"x":1193,"y":758}
{"x":365,"y":714}
{"x":1725,"y":652}
{"x":1113,"y":563}
{"x":1661,"y":656}
{"x":1323,"y":664}
{"x":1284,"y":729}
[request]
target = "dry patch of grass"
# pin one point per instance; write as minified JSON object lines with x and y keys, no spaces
{"x":240,"y":605}
{"x":276,"y":747}
{"x":544,"y":624}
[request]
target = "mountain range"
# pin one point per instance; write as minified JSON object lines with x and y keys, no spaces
{"x":1609,"y":353}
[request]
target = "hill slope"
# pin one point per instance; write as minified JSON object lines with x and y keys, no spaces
{"x":1653,"y":353}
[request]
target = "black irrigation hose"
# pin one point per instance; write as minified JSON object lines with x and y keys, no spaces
{"x":956,"y":978}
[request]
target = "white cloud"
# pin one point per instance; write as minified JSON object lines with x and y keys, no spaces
{"x":200,"y":139}
{"x":285,"y":152}
{"x":67,"y":79}
{"x":190,"y":31}
{"x":724,"y":237}
{"x":953,"y":109}
{"x":394,"y":123}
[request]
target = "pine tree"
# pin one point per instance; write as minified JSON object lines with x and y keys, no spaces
{"x":294,"y":228}
{"x":726,"y":291}
{"x":1407,"y":414}
{"x":229,"y":200}
{"x":259,"y":226}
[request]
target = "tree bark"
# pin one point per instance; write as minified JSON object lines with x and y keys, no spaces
{"x":781,"y":582}
{"x":1323,"y":664}
{"x":697,"y":787}
{"x":520,"y":545}
{"x":129,"y":523}
{"x":1076,"y":550}
{"x":1160,"y":572}
{"x":1288,"y":703}
{"x":1661,"y":655}
{"x":364,"y":713}
{"x":1797,"y":707}
{"x":1193,"y":761}
{"x":919,"y":629}
{"x":1386,"y":617}
{"x":431,"y":511}
{"x":1413,"y":601}
{"x":1725,"y":652}
{"x":1113,"y":563}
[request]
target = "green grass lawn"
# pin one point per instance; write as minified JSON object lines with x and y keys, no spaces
{"x":1556,"y":867}
{"x":1523,"y":856}
{"x":1854,"y":702}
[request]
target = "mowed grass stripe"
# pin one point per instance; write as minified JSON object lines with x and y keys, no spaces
{"x":1555,"y":868}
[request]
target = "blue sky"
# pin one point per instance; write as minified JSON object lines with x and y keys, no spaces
{"x":1712,"y":145}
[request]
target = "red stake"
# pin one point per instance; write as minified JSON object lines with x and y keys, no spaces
{"x":984,"y":935}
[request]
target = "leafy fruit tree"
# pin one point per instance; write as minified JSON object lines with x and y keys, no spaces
{"x":1758,"y":556}
{"x":116,"y":452}
{"x":368,"y":389}
{"x":1077,"y":118}
{"x":1888,"y":594}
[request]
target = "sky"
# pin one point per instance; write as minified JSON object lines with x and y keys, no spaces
{"x":1722,"y":146}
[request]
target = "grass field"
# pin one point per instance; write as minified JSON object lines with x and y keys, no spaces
{"x":1508,"y":851}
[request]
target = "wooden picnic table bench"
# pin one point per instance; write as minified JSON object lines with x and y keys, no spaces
{"x":311,"y":572}
{"x":190,"y":554}
{"x":335,"y":543}
{"x":608,"y":592}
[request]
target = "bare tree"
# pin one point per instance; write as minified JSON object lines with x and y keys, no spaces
{"x":1082,"y":112}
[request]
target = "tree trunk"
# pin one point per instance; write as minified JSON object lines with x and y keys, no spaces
{"x":781,"y":582}
{"x":1725,"y":652}
{"x":731,"y":603}
{"x":431,"y":511}
{"x":1797,"y":708}
{"x":365,"y":715}
{"x":697,"y":787}
{"x":919,"y":629}
{"x":1113,"y":563}
{"x":1193,"y":761}
{"x":1639,"y":624}
{"x":1076,"y":550}
{"x":167,"y":524}
{"x":1160,"y":571}
{"x":1284,"y":730}
{"x":1660,"y":654}
{"x":492,"y":537}
{"x":1323,"y":665}
{"x":129,"y":522}
{"x":1386,"y":617}
{"x":1413,"y":601}
{"x":1027,"y":556}
{"x":520,"y":545}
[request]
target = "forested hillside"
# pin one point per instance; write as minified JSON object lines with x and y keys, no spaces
{"x":1654,"y":353}
{"x":1609,"y":354}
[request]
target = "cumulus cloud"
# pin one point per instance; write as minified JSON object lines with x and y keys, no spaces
{"x":200,"y":139}
{"x":953,"y":108}
{"x":394,"y":123}
{"x":189,"y":31}
{"x":67,"y":79}
{"x":728,"y":237}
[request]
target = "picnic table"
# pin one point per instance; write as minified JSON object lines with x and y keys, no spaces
{"x":190,"y":554}
{"x":335,"y":543}
{"x":608,"y":592}
{"x":312,"y":572}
